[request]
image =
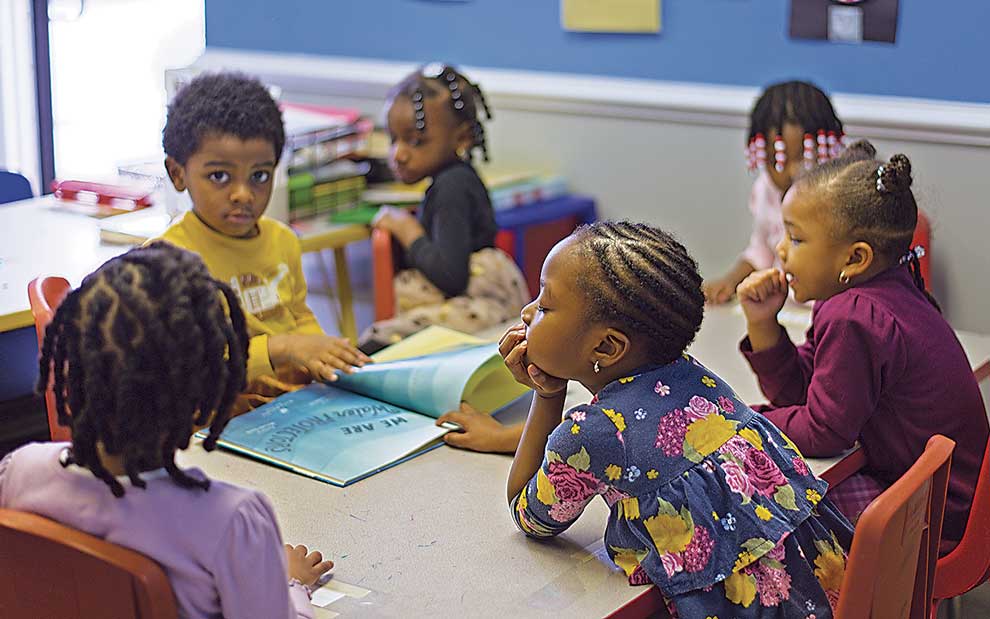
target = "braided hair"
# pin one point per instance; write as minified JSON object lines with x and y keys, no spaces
{"x":798,"y":103}
{"x":871,"y":200}
{"x":466,"y":99}
{"x":646,"y":282}
{"x":221,"y":103}
{"x":149,"y":345}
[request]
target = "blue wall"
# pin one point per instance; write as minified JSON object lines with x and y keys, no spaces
{"x":942,"y":48}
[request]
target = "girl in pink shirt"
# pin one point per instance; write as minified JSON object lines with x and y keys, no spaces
{"x":145,"y":352}
{"x":792,"y":127}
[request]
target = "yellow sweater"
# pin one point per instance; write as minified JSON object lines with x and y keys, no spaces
{"x":266,"y":273}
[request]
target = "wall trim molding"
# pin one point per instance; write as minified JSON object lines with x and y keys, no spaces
{"x":899,"y":118}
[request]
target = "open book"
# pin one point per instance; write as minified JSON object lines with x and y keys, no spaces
{"x":379,"y":416}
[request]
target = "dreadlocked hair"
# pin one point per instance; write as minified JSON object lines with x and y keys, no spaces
{"x":646,"y":282}
{"x":221,"y":103}
{"x":872,"y":201}
{"x":465,"y":97}
{"x":799,"y":103}
{"x":145,"y":348}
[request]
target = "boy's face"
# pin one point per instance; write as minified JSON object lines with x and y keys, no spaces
{"x":229,"y":181}
{"x":417,"y":154}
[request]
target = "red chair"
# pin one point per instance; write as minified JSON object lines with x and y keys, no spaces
{"x":891,"y":568}
{"x":50,"y":570}
{"x":45,"y":295}
{"x":923,"y":237}
{"x":968,"y":565}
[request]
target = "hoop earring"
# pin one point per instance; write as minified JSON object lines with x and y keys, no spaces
{"x":461,"y":152}
{"x":597,"y":369}
{"x":843,"y":278}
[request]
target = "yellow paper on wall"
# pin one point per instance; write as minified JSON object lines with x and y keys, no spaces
{"x":610,"y":15}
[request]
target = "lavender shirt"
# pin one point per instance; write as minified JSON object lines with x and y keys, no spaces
{"x":221,"y":549}
{"x":881,"y":366}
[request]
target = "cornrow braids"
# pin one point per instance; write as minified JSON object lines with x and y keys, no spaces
{"x":872,"y":201}
{"x":466,"y":99}
{"x":799,"y":103}
{"x":646,"y":282}
{"x":147,"y":347}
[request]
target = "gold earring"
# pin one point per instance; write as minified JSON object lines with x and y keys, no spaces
{"x":597,"y":369}
{"x":843,"y":278}
{"x":461,"y":152}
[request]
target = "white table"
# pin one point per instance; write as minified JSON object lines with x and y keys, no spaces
{"x":433,"y":536}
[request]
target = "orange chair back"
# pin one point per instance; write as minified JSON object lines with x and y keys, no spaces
{"x":45,"y":295}
{"x":968,"y":565}
{"x":383,"y":272}
{"x":50,"y":570}
{"x":891,"y":567}
{"x":923,"y":237}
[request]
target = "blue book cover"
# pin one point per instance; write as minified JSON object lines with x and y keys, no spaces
{"x":375,"y":418}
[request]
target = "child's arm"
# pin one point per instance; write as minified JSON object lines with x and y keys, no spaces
{"x":480,"y":431}
{"x":720,"y":290}
{"x":252,"y":571}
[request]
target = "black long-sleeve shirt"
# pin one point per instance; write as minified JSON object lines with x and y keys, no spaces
{"x":459,"y":220}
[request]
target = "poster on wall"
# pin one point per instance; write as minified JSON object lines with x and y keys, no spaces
{"x":849,"y":21}
{"x":623,"y":16}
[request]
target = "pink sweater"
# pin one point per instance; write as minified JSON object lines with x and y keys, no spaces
{"x":768,"y":224}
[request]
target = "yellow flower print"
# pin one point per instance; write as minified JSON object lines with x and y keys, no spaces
{"x":630,"y":507}
{"x":813,"y":496}
{"x":652,"y":474}
{"x":545,"y":491}
{"x":522,"y":503}
{"x":708,"y":381}
{"x":613,"y":472}
{"x":752,"y":437}
{"x":740,"y":589}
{"x":616,"y":418}
{"x":709,"y":433}
{"x":669,"y":533}
{"x":745,"y":558}
{"x":763,"y":513}
{"x":830,"y":567}
{"x":628,"y":558}
{"x":627,"y":379}
{"x":575,"y":429}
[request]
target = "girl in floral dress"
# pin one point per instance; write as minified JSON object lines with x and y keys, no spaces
{"x":708,"y":500}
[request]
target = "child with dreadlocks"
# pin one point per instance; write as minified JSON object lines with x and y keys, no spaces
{"x":708,"y":500}
{"x":880,"y":365}
{"x":797,"y":121}
{"x":453,"y":276}
{"x":146,"y":351}
{"x":223,"y":138}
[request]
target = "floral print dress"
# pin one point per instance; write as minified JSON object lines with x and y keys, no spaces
{"x":708,"y":500}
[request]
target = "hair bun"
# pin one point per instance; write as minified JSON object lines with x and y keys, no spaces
{"x":859,"y":150}
{"x":895,"y":176}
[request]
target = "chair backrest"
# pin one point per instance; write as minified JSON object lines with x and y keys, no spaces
{"x":891,"y":565}
{"x":50,"y":570}
{"x":45,"y":294}
{"x":923,"y":237}
{"x":968,"y":565}
{"x":13,"y":187}
{"x":383,"y":271}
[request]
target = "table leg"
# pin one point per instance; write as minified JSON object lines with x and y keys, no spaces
{"x":348,"y":326}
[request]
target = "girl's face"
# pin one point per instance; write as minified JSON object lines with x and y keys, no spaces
{"x":810,"y":254}
{"x":794,"y":149}
{"x":417,"y":154}
{"x":560,"y":340}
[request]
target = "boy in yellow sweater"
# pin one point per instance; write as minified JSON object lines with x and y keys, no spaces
{"x":223,"y":138}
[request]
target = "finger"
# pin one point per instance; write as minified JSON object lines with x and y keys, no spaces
{"x":451,"y":417}
{"x":325,"y":372}
{"x":336,"y":362}
{"x":324,"y":567}
{"x":516,"y":328}
{"x":510,"y":341}
{"x":467,"y":408}
{"x":516,"y":355}
{"x":456,"y":439}
{"x":314,"y":557}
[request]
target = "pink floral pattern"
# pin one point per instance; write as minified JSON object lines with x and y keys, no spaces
{"x":699,"y":551}
{"x":737,"y":447}
{"x":571,"y":484}
{"x":565,"y":511}
{"x":800,"y":465}
{"x":671,"y":432}
{"x":702,"y":407}
{"x":773,"y":585}
{"x":673,"y":562}
{"x":763,"y":472}
{"x":737,"y":480}
{"x":726,"y":404}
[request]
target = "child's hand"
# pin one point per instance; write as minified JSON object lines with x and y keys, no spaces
{"x":481,"y":432}
{"x":305,"y":566}
{"x":762,"y":295}
{"x":320,"y":355}
{"x":400,"y":223}
{"x":512,"y":347}
{"x":719,"y":291}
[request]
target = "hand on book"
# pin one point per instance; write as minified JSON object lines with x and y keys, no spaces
{"x":480,"y":431}
{"x":512,"y":347}
{"x":320,"y":355}
{"x":305,"y":566}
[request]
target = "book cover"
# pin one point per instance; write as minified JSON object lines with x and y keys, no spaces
{"x":379,"y":416}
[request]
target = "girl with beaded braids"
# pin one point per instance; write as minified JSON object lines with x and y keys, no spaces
{"x":792,"y":128}
{"x":450,"y":273}
{"x":880,"y":366}
{"x":149,"y":349}
{"x":707,"y":499}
